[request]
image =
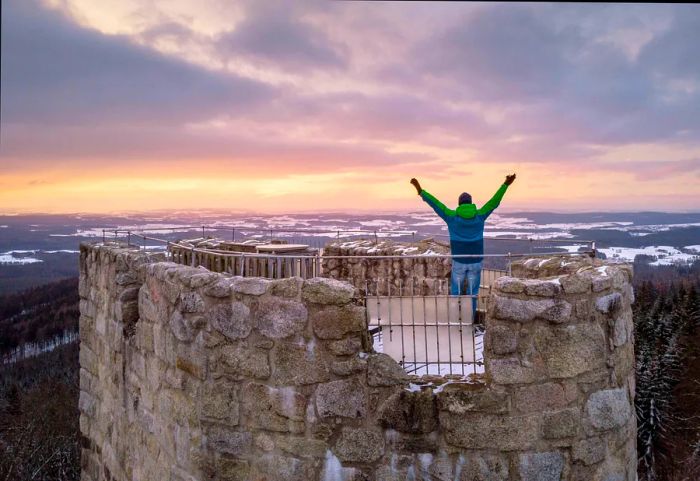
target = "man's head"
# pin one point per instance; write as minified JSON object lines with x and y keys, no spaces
{"x":465,"y":198}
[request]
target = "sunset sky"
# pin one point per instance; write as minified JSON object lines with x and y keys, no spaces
{"x":116,"y":105}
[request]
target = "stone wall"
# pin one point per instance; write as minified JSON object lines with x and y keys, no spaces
{"x":422,"y":276}
{"x":190,"y":375}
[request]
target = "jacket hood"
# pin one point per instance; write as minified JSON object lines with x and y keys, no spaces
{"x":466,"y":211}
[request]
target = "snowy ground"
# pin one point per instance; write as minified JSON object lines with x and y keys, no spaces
{"x":665,"y":255}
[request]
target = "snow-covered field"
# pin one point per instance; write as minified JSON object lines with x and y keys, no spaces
{"x":670,"y":238}
{"x":665,"y":255}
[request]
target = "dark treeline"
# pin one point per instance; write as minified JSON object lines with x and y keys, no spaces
{"x":667,"y":348}
{"x":39,"y":430}
{"x":38,"y":314}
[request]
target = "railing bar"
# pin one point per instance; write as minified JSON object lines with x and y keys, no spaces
{"x":449,"y":334}
{"x":403,"y":351}
{"x":425,"y":328}
{"x":391,"y":330}
{"x":413,"y":320}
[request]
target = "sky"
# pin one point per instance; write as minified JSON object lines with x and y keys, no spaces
{"x":282,"y":107}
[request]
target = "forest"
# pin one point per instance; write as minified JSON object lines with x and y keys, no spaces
{"x":39,"y":432}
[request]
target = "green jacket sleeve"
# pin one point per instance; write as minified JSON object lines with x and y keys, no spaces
{"x":491,"y":205}
{"x":437,"y":206}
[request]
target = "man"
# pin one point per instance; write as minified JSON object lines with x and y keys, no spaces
{"x":466,"y":227}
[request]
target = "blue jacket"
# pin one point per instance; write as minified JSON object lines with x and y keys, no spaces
{"x":465,"y":224}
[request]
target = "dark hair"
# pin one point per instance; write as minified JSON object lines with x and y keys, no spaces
{"x":465,"y":198}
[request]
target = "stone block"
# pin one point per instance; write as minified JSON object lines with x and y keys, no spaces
{"x":622,"y":328}
{"x":327,"y":291}
{"x":273,"y":409}
{"x":130,"y":294}
{"x":525,"y":310}
{"x":87,"y":404}
{"x":171,"y":291}
{"x":510,"y":371}
{"x":382,"y":370}
{"x":242,"y":361}
{"x":252,"y":286}
{"x":228,"y":441}
{"x":220,"y":402}
{"x":543,"y":287}
{"x":609,"y":303}
{"x":571,"y":350}
{"x":601,"y":281}
{"x":589,"y":451}
{"x":487,"y":431}
{"x":502,"y":339}
{"x":232,"y":319}
{"x":409,"y":412}
{"x":220,"y":289}
{"x":276,"y":467}
{"x":335,"y":322}
{"x":302,"y":447}
{"x":345,"y":347}
{"x":359,"y":445}
{"x":203,"y":278}
{"x":608,"y":409}
{"x":298,"y":364}
{"x":181,"y":328}
{"x":264,"y":441}
{"x":126,"y":278}
{"x":232,"y":469}
{"x":544,"y":397}
{"x":576,"y":284}
{"x":541,"y":466}
{"x":482,"y":467}
{"x":348,"y":367}
{"x":289,"y":287}
{"x":278,"y":318}
{"x":465,"y":398}
{"x":344,"y":398}
{"x":509,"y":285}
{"x":191,"y":302}
{"x":561,"y":424}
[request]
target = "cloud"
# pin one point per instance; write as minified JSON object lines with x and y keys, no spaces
{"x":54,"y":71}
{"x":329,"y":88}
{"x":500,"y":53}
{"x":278,"y":37}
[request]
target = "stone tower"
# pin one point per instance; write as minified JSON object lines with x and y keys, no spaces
{"x":189,"y":375}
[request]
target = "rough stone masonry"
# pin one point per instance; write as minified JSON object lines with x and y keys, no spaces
{"x":189,"y":375}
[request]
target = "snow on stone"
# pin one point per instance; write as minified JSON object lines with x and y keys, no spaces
{"x":693,"y":248}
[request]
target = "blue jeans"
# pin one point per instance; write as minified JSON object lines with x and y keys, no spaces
{"x":471,"y":273}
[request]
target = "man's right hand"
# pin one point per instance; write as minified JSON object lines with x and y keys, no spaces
{"x":510,"y":179}
{"x":416,"y":184}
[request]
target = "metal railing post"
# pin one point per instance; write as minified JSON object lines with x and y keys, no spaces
{"x":128,"y":238}
{"x":233,"y":234}
{"x":510,"y":271}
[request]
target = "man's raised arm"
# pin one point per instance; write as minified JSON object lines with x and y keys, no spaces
{"x":491,"y":205}
{"x":432,"y":201}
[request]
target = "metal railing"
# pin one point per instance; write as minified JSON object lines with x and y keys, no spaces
{"x":425,"y":333}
